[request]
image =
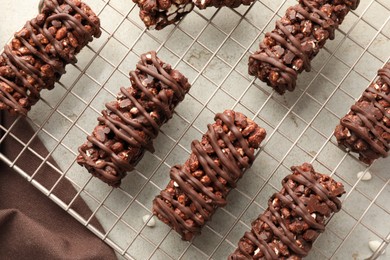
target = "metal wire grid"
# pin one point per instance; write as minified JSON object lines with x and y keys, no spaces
{"x":211,"y":47}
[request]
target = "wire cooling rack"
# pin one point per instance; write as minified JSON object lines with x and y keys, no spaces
{"x":211,"y":48}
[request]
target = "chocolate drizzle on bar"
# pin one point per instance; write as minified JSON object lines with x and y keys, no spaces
{"x":202,"y":184}
{"x":36,"y":57}
{"x":128,"y":126}
{"x":203,"y":4}
{"x":159,"y":14}
{"x":366,"y":128}
{"x":295,"y":217}
{"x":296,"y":40}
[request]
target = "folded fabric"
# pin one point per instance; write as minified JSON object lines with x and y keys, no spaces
{"x":31,"y":225}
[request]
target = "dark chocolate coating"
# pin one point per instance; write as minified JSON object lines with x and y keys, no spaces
{"x":157,"y":14}
{"x":366,"y":128}
{"x":201,"y":185}
{"x":203,"y":4}
{"x":131,"y":122}
{"x":298,"y":37}
{"x":37,"y":55}
{"x":294,"y":218}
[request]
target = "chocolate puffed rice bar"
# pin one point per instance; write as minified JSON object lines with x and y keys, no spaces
{"x":298,"y":37}
{"x":37,"y":55}
{"x":200,"y":186}
{"x":129,"y":124}
{"x":366,"y":128}
{"x":294,"y":219}
{"x":157,"y":14}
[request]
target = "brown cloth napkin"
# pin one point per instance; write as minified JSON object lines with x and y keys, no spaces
{"x":31,"y":225}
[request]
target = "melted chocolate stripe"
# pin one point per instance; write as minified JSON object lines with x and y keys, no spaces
{"x":209,"y":166}
{"x":326,"y":22}
{"x":232,"y":127}
{"x":293,"y":44}
{"x":284,"y":235}
{"x":86,"y":17}
{"x":384,"y":73}
{"x":203,"y":4}
{"x":25,"y":82}
{"x":289,"y":75}
{"x":200,"y":203}
{"x":130,"y":137}
{"x":9,"y":100}
{"x":298,"y":207}
{"x":132,"y":123}
{"x":164,"y":210}
{"x":226,"y":162}
{"x":41,"y":54}
{"x":260,"y":243}
{"x":333,"y":203}
{"x":363,"y":133}
{"x":150,"y":120}
{"x":157,"y":100}
{"x":370,"y":121}
{"x":168,"y":80}
{"x":100,"y":163}
{"x":24,"y":65}
{"x":198,"y":186}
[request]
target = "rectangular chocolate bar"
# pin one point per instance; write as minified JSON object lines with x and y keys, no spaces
{"x":131,"y":122}
{"x":37,"y":55}
{"x":366,"y":128}
{"x":159,"y":14}
{"x":298,"y":37}
{"x":203,"y":4}
{"x":200,"y":186}
{"x":294,"y":219}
